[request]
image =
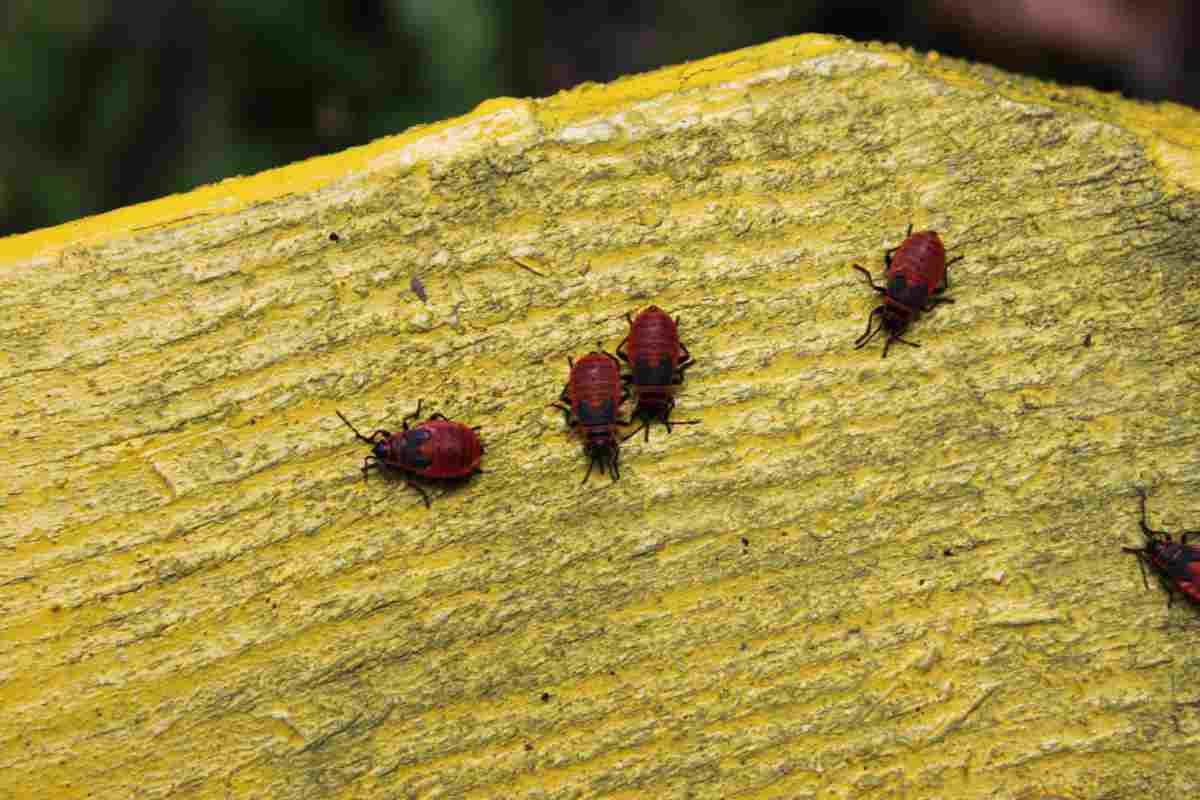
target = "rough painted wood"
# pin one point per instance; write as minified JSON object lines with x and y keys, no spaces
{"x":857,"y":578}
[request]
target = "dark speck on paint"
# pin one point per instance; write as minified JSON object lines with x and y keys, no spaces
{"x":418,"y":289}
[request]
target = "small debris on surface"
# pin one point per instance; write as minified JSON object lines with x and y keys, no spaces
{"x":524,"y":264}
{"x":333,"y":237}
{"x":418,"y":289}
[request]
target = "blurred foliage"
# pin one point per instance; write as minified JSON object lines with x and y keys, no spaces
{"x":111,"y":103}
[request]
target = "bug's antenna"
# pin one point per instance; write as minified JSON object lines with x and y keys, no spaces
{"x":351,"y":427}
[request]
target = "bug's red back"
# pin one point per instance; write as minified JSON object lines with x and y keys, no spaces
{"x":451,"y":450}
{"x":654,"y":350}
{"x":920,"y":260}
{"x":595,"y":390}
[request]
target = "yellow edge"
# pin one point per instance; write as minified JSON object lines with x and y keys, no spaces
{"x":1171,"y":132}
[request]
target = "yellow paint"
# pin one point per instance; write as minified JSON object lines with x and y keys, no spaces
{"x":854,"y":578}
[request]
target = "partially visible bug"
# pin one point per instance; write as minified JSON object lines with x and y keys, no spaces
{"x":1177,"y":564}
{"x":657,"y":359}
{"x":916,"y":277}
{"x":592,"y":398}
{"x":435,"y":448}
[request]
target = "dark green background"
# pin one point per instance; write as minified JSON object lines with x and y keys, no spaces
{"x":111,"y":103}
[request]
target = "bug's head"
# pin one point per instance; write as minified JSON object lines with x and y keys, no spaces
{"x":382,"y":450}
{"x":602,"y":451}
{"x":893,"y":320}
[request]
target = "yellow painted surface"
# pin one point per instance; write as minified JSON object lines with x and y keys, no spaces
{"x":858,"y":578}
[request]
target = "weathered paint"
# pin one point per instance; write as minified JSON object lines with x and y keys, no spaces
{"x":201,"y":599}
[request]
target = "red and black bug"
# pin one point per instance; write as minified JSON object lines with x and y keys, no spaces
{"x":1177,"y":564}
{"x":657,"y":359}
{"x":435,"y":448}
{"x":916,"y":275}
{"x":593,"y":397}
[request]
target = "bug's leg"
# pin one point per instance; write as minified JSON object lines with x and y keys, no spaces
{"x":685,"y":362}
{"x":370,"y":463}
{"x":614,"y":464}
{"x":625,"y":356}
{"x":600,"y":348}
{"x":424,"y":494}
{"x":666,"y":415}
{"x":887,"y":254}
{"x":438,"y":415}
{"x":413,"y":415}
{"x":1184,"y":535}
{"x":667,"y":418}
{"x":1146,"y":529}
{"x":936,"y":301}
{"x":1141,"y":566}
{"x":870,"y":280}
{"x":636,"y":432}
{"x":624,"y":392}
{"x":566,"y":413}
{"x":591,"y":462}
{"x":891,"y":339}
{"x":947,"y":278}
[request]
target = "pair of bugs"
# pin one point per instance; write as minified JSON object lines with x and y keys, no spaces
{"x":916,"y":276}
{"x":595,"y":389}
{"x":441,"y":448}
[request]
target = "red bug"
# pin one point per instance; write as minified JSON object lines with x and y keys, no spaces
{"x":658,"y":360}
{"x":435,"y":448}
{"x":593,"y":397}
{"x":916,"y":274}
{"x":1177,"y":564}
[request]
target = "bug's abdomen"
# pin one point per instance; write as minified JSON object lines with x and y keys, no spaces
{"x":654,"y":348}
{"x":921,"y":262}
{"x":450,"y":449}
{"x":595,"y":390}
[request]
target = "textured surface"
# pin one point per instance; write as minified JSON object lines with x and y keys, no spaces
{"x":857,"y":578}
